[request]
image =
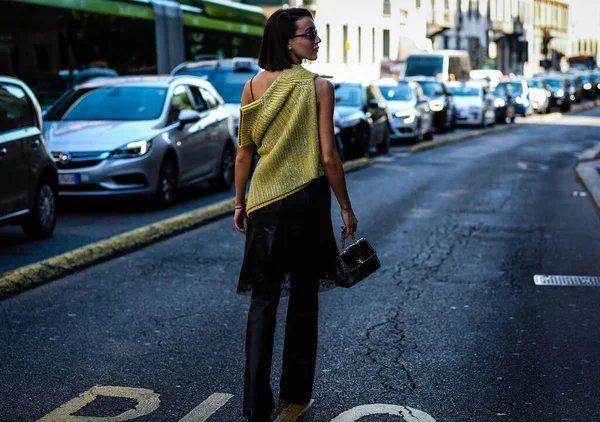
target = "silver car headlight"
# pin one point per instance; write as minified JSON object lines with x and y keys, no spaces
{"x":408,"y":115}
{"x":436,"y":105}
{"x":559,"y":93}
{"x":499,"y":102}
{"x":132,"y":150}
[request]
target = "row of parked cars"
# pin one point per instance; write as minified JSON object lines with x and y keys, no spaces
{"x":149,"y":135}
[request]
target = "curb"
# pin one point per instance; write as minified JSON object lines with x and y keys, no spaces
{"x":471,"y":134}
{"x":588,"y":175}
{"x":68,"y":263}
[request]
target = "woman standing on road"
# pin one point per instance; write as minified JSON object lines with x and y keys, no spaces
{"x":287,"y":112}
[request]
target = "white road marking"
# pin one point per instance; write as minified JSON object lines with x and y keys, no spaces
{"x":383,"y":159}
{"x":532,"y":166}
{"x":293,"y":412}
{"x":407,"y":413}
{"x":566,"y":280}
{"x":148,"y":402}
{"x":207,"y":408}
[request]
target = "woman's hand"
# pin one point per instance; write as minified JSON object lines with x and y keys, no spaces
{"x":240,"y":219}
{"x":350,"y":221}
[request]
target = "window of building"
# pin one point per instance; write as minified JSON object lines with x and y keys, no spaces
{"x":345,"y":30}
{"x":373,"y":45}
{"x":387,"y":7}
{"x":327,"y":44}
{"x":359,"y":44}
{"x":386,"y":43}
{"x":418,"y":4}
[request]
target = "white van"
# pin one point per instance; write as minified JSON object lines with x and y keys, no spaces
{"x":447,"y":65}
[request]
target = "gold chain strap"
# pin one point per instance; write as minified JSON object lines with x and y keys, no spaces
{"x":343,"y":238}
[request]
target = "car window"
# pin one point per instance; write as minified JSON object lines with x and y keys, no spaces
{"x":229,"y":83}
{"x":198,"y":100}
{"x":348,"y":95}
{"x":401,"y":92}
{"x":110,"y":103}
{"x":515,"y":87}
{"x":432,"y":88}
{"x":179,"y":101}
{"x":210,"y":100}
{"x":464,"y":91}
{"x":16,"y":109}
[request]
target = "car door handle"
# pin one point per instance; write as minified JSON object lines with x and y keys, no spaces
{"x":35,"y":143}
{"x":3,"y":152}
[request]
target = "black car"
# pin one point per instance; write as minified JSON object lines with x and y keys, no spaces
{"x":441,"y":103}
{"x":28,"y":175}
{"x":576,"y":88}
{"x":504,"y":104}
{"x":560,"y":88}
{"x":362,"y":117}
{"x":589,"y":85}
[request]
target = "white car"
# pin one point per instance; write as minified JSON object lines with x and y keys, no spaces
{"x":411,"y":116}
{"x":474,"y":103}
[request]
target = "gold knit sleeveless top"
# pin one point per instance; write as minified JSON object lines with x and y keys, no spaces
{"x":283,"y":125}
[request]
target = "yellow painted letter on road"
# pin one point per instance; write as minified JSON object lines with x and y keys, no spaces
{"x":407,"y":413}
{"x":148,"y":402}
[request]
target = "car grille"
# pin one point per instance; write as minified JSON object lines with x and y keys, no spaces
{"x":80,"y":160}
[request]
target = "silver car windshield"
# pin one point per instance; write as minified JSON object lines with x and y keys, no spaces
{"x":464,"y":91}
{"x":397,"y":93}
{"x":110,"y":103}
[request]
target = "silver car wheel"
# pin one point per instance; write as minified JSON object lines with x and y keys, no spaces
{"x":46,"y":207}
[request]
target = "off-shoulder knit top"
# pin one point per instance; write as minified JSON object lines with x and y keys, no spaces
{"x":283,"y":125}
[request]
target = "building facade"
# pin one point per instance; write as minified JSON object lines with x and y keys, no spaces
{"x":584,"y":29}
{"x":363,"y":43}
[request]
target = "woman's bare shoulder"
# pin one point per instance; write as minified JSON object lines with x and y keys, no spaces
{"x":323,"y":87}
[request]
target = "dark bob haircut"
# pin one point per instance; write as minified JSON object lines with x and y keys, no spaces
{"x":282,"y":25}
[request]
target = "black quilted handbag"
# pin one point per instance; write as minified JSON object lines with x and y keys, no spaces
{"x":356,"y":262}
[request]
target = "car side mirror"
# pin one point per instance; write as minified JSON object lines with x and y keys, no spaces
{"x":188,"y":116}
{"x":423,"y":99}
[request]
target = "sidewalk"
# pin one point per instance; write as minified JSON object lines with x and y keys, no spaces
{"x":587,"y":172}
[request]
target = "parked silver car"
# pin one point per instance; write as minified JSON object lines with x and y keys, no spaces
{"x":143,"y":135}
{"x":474,"y":103}
{"x":28,"y":177}
{"x":411,"y":115}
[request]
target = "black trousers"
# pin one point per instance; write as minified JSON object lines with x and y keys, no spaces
{"x":299,"y":351}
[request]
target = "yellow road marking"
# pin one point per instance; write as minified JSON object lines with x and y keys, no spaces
{"x":293,"y":412}
{"x":148,"y":402}
{"x":206,"y":409}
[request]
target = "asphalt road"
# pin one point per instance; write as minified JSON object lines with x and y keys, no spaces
{"x":452,"y":325}
{"x":83,"y":221}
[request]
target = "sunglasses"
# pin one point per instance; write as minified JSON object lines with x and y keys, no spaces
{"x":312,"y":35}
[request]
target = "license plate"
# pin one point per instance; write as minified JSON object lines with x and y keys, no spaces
{"x":68,"y":179}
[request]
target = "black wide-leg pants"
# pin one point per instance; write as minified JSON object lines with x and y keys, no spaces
{"x":300,"y":345}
